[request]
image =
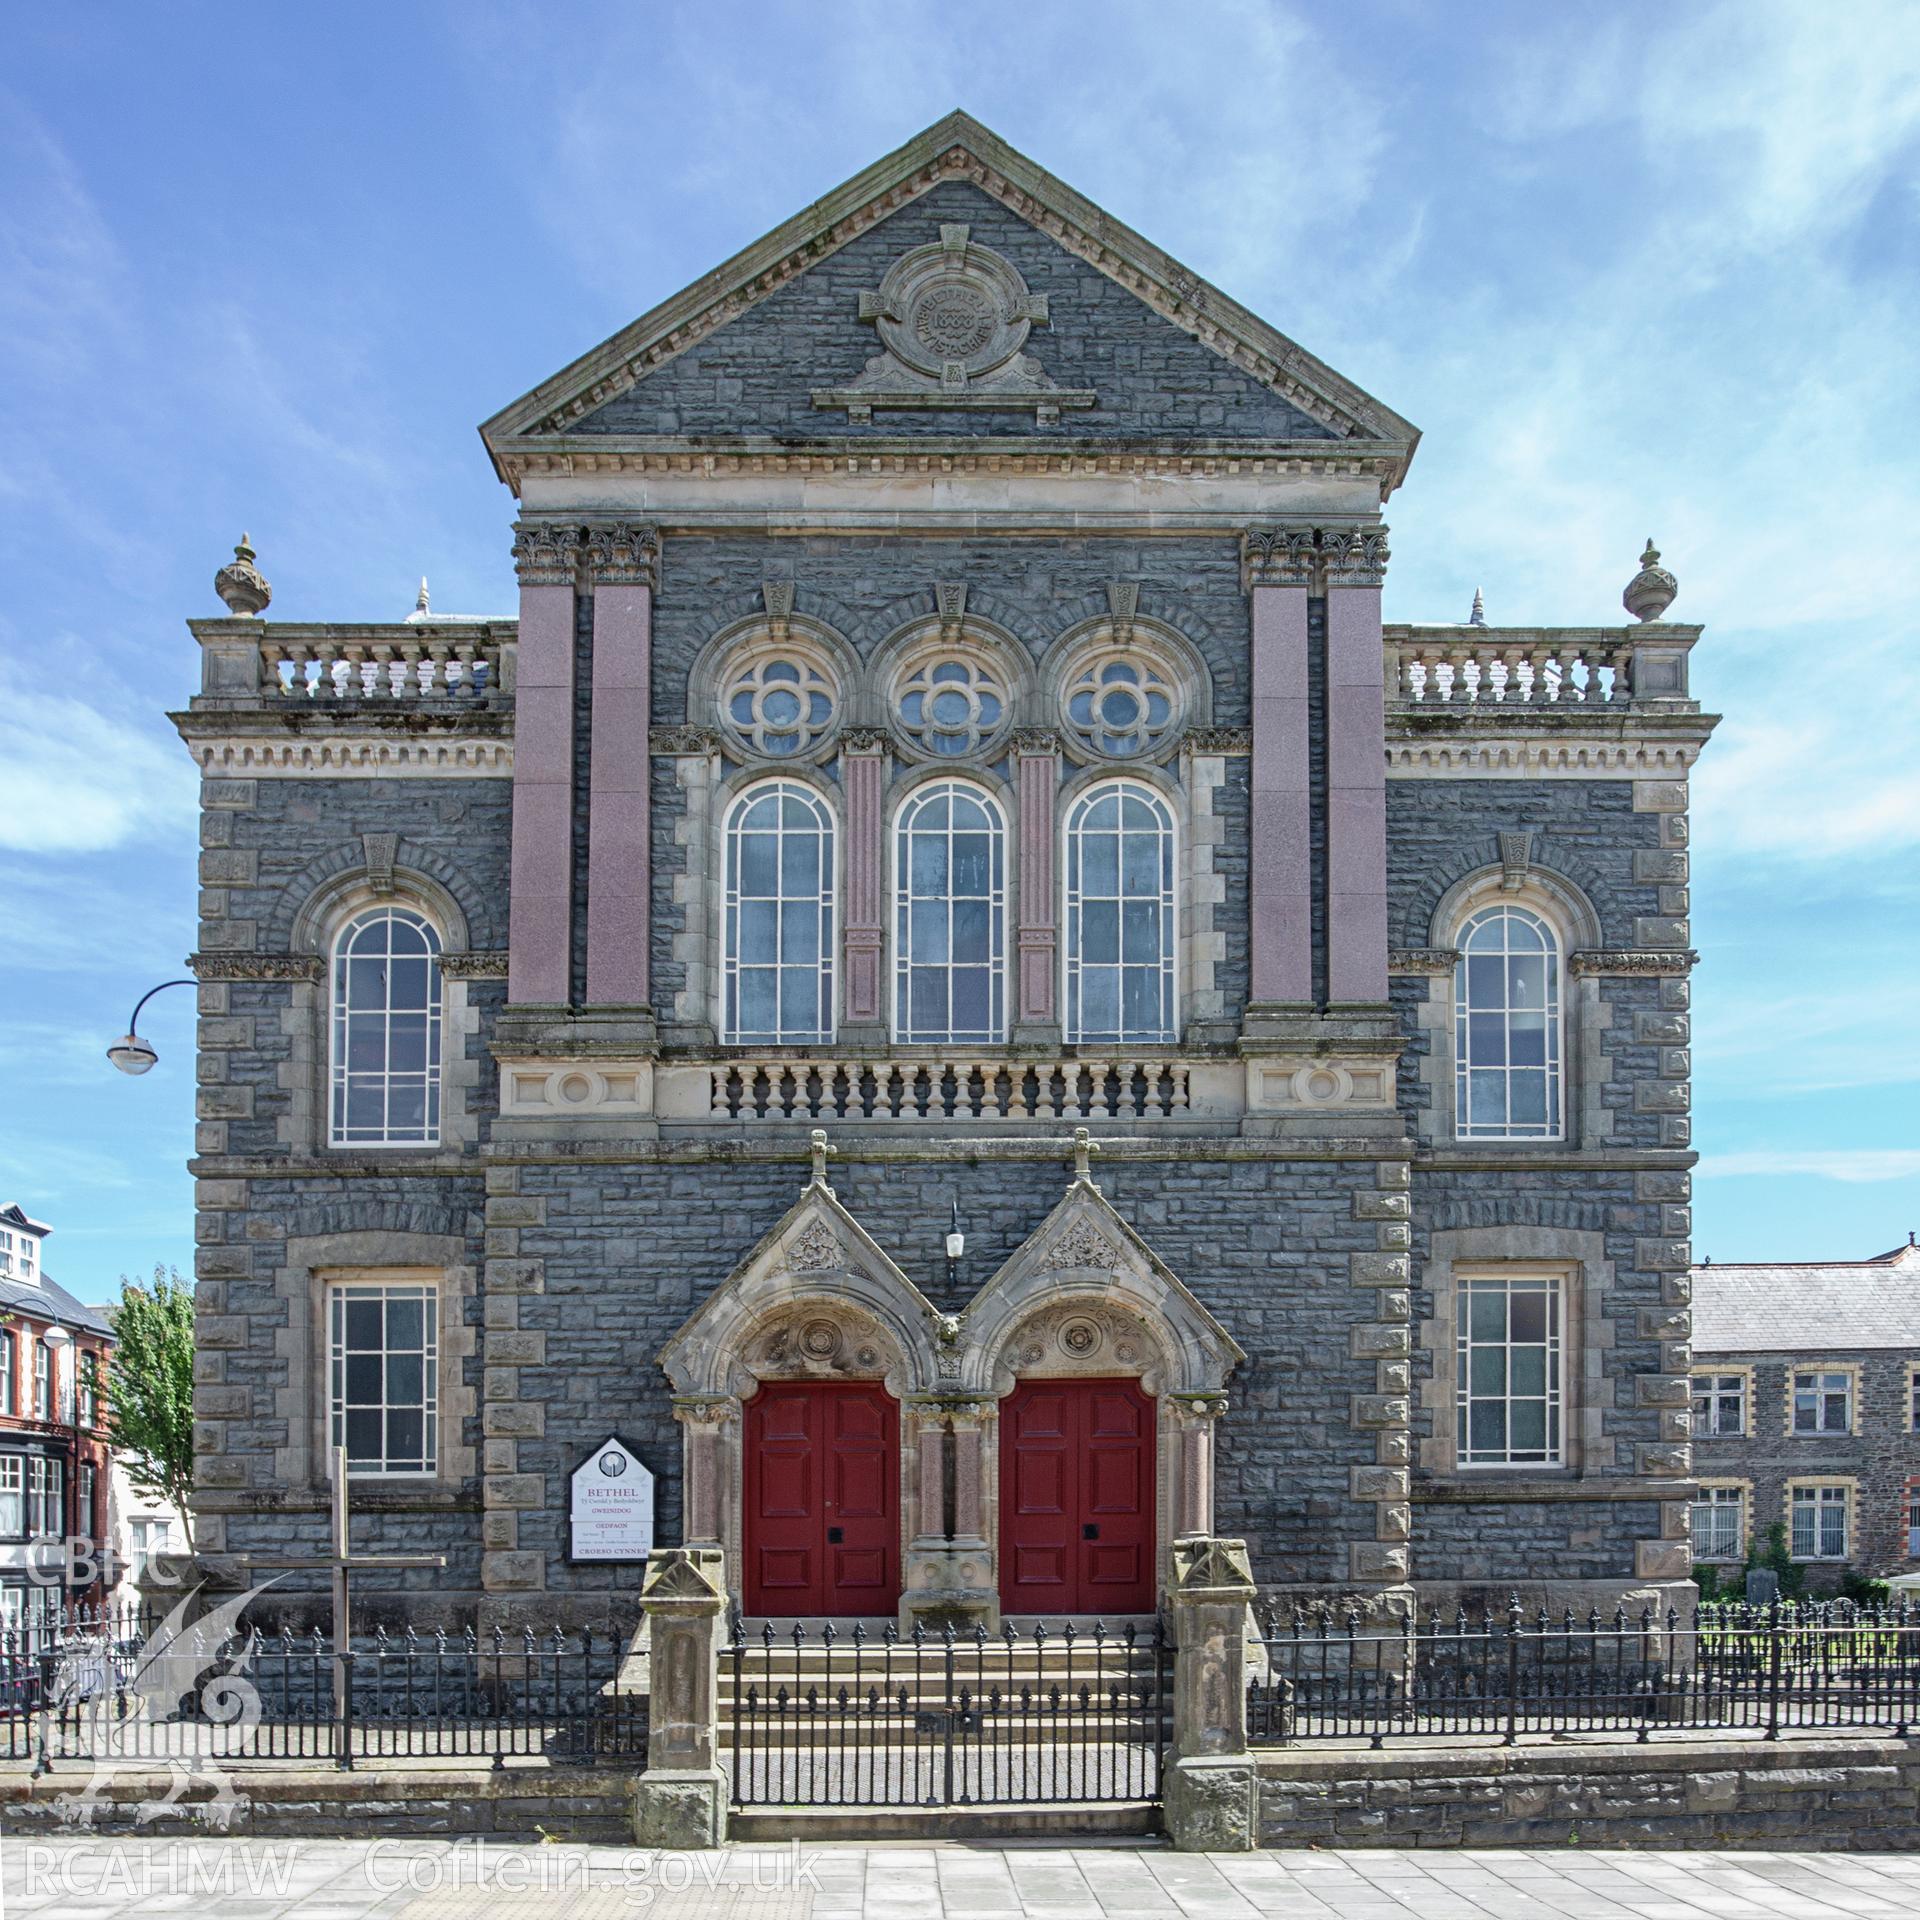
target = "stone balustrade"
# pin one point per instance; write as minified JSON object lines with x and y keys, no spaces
{"x":958,"y":1088}
{"x":1558,"y":670}
{"x":329,"y":666}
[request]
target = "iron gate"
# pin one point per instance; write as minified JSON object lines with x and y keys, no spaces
{"x":1026,"y":1716}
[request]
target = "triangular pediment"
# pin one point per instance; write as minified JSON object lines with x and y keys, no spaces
{"x":952,"y":290}
{"x":1086,"y":1252}
{"x":817,"y":1253}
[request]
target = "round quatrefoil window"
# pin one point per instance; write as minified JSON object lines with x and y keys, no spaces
{"x":950,"y":705}
{"x":1122,"y":704}
{"x":779,"y":703}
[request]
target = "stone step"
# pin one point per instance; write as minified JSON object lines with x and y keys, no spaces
{"x":1096,"y":1821}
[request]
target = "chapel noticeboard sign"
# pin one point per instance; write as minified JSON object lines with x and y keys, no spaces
{"x":610,"y":1512}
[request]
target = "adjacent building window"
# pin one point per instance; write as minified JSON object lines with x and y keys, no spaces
{"x":1507,"y":1028}
{"x":1819,"y":1521}
{"x":386,"y":1032}
{"x":9,"y":1376}
{"x":383,"y":1364}
{"x":84,"y":1504}
{"x":42,"y":1380}
{"x":1913,"y":1519}
{"x":1120,"y":917}
{"x":1508,"y":1372}
{"x":1913,"y":1400}
{"x":1718,"y":1523}
{"x":46,"y":1497}
{"x":89,"y":1389}
{"x":13,"y":1495}
{"x":778,"y":947}
{"x":950,"y":913}
{"x":1719,"y":1403}
{"x":1823,"y":1403}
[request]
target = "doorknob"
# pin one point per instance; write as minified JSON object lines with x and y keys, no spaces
{"x":1090,"y":1531}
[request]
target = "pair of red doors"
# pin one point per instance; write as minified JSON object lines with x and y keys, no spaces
{"x":822,"y":1525}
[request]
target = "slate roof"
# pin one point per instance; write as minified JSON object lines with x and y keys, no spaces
{"x":1813,"y":1306}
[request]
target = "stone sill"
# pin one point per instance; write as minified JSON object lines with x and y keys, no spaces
{"x":1678,"y":1751}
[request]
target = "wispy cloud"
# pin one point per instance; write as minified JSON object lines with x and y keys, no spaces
{"x":75,"y":779}
{"x":1857,"y":1166}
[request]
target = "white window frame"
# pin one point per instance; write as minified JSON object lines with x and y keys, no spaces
{"x":1913,"y":1399}
{"x":87,"y":1389}
{"x":9,"y":1373}
{"x":822,"y":904}
{"x":1821,"y":1499}
{"x":42,"y":1378}
{"x":13,"y":1496}
{"x":46,"y":1497}
{"x":1554,"y":1127}
{"x":1719,"y":1498}
{"x":1553,"y":1396}
{"x":1713,"y":1386}
{"x":341,"y":1009}
{"x":995,"y":899}
{"x":340,"y":1295}
{"x":1166,"y":896}
{"x":1913,"y":1519}
{"x":1819,"y":1395}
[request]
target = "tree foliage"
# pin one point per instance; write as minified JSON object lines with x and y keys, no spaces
{"x":151,"y":1398}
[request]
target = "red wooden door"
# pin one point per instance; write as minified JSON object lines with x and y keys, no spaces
{"x":1076,"y":1498}
{"x":821,"y":1517}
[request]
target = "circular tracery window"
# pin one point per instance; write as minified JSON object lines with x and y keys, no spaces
{"x":1121,"y":704}
{"x":950,"y":705}
{"x":780,"y":703}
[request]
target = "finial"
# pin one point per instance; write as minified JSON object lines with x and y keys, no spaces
{"x":1083,"y":1151}
{"x":242,"y":585}
{"x":1651,"y":591}
{"x":817,"y":1143}
{"x":1478,"y":617}
{"x":420,"y":605}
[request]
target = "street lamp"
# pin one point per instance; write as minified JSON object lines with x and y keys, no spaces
{"x":130,"y":1053}
{"x":956,"y":1243}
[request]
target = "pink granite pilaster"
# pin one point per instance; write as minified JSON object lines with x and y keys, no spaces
{"x":1281,"y":935}
{"x":619,"y":850}
{"x":1037,"y":940}
{"x":540,"y":905}
{"x":1356,"y":798}
{"x":862,"y":769}
{"x":969,"y":1478}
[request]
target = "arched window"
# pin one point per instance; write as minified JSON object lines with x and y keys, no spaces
{"x":1507,"y":1027}
{"x":950,"y":917}
{"x":778,"y":950}
{"x":1120,"y":918}
{"x":386,"y":1032}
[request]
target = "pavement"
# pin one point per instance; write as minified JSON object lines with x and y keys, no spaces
{"x":79,"y":1878}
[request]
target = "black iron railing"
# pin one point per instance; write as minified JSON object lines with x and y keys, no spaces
{"x":1318,"y":1675}
{"x":1025,"y":1716}
{"x":134,"y":1685}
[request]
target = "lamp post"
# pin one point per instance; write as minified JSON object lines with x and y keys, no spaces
{"x":130,"y":1053}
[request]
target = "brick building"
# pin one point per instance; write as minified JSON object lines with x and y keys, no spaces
{"x":1806,"y":1413}
{"x":54,"y":1463}
{"x":950,"y":705}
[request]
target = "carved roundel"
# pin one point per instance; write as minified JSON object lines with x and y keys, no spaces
{"x":954,"y":311}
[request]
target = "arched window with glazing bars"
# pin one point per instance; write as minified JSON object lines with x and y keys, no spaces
{"x":1119,"y":949}
{"x":1507,"y":1038}
{"x":950,"y":916}
{"x":385,"y":1079}
{"x":777,"y":951}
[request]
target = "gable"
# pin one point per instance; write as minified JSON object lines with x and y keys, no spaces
{"x":758,"y":373}
{"x":1073,"y":330}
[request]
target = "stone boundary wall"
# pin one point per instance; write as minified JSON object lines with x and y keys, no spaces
{"x":323,"y":1803}
{"x":1828,"y":1794}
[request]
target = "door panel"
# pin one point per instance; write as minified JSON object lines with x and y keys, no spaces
{"x":1076,"y":1498}
{"x":820,"y":1529}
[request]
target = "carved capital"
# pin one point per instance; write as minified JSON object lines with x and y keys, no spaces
{"x":694,"y":742}
{"x":1278,"y":557}
{"x":1355,"y":556}
{"x":1219,"y":740}
{"x":1596,"y":960}
{"x":257,"y":966}
{"x":545,"y":552}
{"x":864,"y":740}
{"x":623,"y":553}
{"x":1441,"y":960}
{"x":1035,"y":743}
{"x":474,"y":966}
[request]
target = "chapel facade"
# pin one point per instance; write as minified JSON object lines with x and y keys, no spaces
{"x":949,"y":980}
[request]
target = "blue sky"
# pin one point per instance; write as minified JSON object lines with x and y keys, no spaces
{"x":1632,"y":269}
